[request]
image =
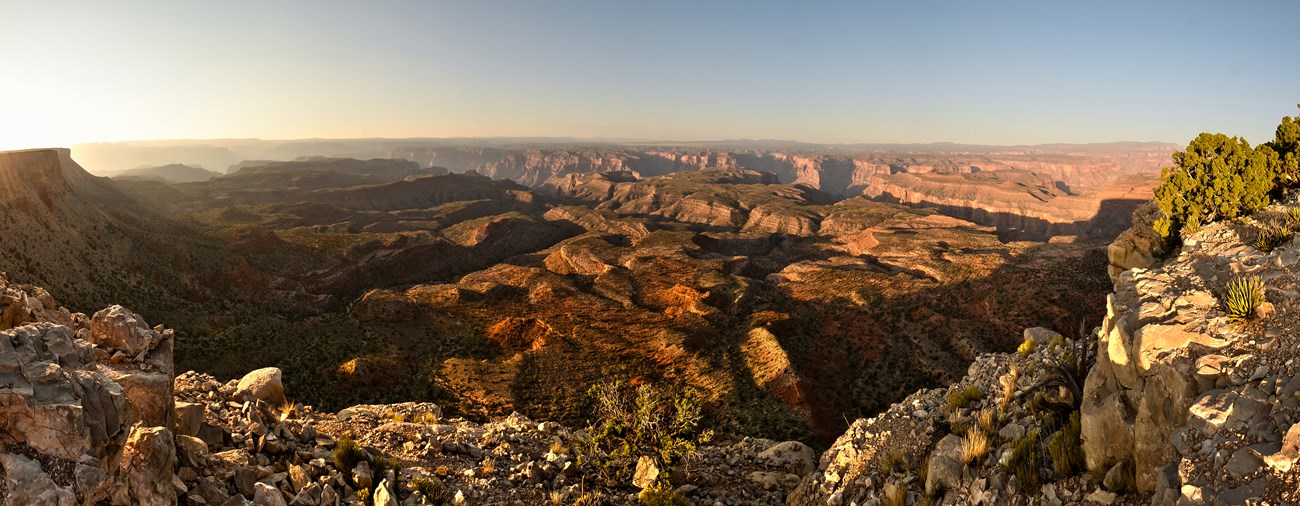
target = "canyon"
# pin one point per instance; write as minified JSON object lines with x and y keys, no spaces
{"x":794,"y":292}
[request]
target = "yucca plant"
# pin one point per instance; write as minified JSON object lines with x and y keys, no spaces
{"x":1243,"y":295}
{"x":1270,"y":237}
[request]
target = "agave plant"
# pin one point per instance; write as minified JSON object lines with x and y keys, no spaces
{"x":1069,"y":370}
{"x":1243,"y":295}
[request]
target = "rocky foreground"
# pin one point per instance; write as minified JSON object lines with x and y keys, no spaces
{"x":1183,"y":406}
{"x":90,"y":413}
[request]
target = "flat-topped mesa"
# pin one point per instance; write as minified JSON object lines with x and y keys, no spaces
{"x":36,"y":178}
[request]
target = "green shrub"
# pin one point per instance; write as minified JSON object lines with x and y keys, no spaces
{"x":1215,"y":177}
{"x":1270,"y":237}
{"x":892,"y":462}
{"x":431,"y":487}
{"x":1293,"y":217}
{"x":645,"y":420}
{"x":1286,"y":143}
{"x":1026,"y":458}
{"x":347,"y":454}
{"x":963,"y":398}
{"x":661,"y":497}
{"x":1243,"y":295}
{"x":1066,"y":449}
{"x":1127,"y":477}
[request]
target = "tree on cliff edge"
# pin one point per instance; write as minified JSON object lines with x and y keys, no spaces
{"x":1216,"y":177}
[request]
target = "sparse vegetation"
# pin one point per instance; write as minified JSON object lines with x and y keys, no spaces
{"x":895,"y":494}
{"x":1215,"y":177}
{"x":1127,"y":477}
{"x":1068,"y":371}
{"x":1008,"y":382}
{"x":961,"y":399}
{"x":287,"y":410}
{"x":430,"y":487}
{"x":631,"y":422}
{"x":1066,"y":449}
{"x":1271,"y":236}
{"x":974,"y":446}
{"x":1243,"y":295}
{"x":1027,"y":347}
{"x":987,"y":420}
{"x":661,"y":497}
{"x":892,"y":462}
{"x":347,"y":454}
{"x":1026,"y":459}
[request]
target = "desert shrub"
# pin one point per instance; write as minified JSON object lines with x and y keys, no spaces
{"x":1067,"y":371}
{"x":347,"y":454}
{"x":363,"y":496}
{"x":974,"y":446}
{"x":631,"y":422}
{"x":1026,"y":347}
{"x":1025,"y":461}
{"x":1270,"y":237}
{"x":1242,"y":296}
{"x":963,"y":398}
{"x":1127,"y":477}
{"x":430,"y":487}
{"x":1066,"y":449}
{"x":1008,"y":382}
{"x":1057,"y":341}
{"x":1286,"y":144}
{"x":587,"y":500}
{"x":1215,"y":177}
{"x":987,"y":419}
{"x":895,"y":494}
{"x":892,"y":462}
{"x":661,"y":497}
{"x":923,"y":473}
{"x":1293,"y":217}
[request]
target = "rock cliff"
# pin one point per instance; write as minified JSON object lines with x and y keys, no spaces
{"x":1184,"y":405}
{"x":1203,"y":407}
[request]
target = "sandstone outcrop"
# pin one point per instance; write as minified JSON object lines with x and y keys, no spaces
{"x":1181,"y":392}
{"x":86,"y":403}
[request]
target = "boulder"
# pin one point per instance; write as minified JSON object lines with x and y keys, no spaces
{"x":945,"y":466}
{"x":263,"y":384}
{"x":267,"y":495}
{"x":647,"y":472}
{"x":792,"y":455}
{"x":117,"y":328}
{"x":145,"y":468}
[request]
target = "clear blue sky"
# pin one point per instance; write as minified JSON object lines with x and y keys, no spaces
{"x":962,"y":71}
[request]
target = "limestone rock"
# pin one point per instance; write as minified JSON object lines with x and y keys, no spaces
{"x":119,"y":329}
{"x":647,"y":472}
{"x":26,"y":483}
{"x":945,"y":465}
{"x":146,"y":467}
{"x":792,"y":455}
{"x":263,"y":384}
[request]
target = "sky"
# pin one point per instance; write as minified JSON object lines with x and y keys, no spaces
{"x":1000,"y":72}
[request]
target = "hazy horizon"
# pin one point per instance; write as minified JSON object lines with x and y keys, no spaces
{"x":1023,"y":73}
